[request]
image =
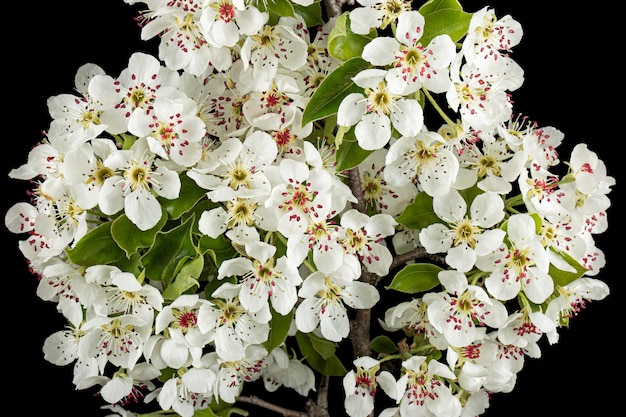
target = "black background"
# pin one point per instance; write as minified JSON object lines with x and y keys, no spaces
{"x":573,"y":81}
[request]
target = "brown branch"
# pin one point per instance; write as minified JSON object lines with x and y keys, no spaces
{"x":356,"y":187}
{"x":319,"y":408}
{"x":285,"y":412}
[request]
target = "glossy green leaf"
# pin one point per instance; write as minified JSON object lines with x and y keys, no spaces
{"x":419,"y":213}
{"x":444,"y":17}
{"x":344,"y":44}
{"x":97,"y":247}
{"x":190,"y":194}
{"x":383,"y":344}
{"x":311,"y":14}
{"x":279,"y":327}
{"x":130,"y":238}
{"x":561,"y":277}
{"x":333,"y":89}
{"x":276,"y":9}
{"x":185,"y":279}
{"x":169,"y":250}
{"x":350,"y":154}
{"x":330,"y":366}
{"x":219,"y":248}
{"x":415,"y":278}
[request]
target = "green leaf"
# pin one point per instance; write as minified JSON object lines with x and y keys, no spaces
{"x":338,"y":84}
{"x":383,"y":344}
{"x":344,"y":44}
{"x":444,"y":17}
{"x":97,"y":247}
{"x":130,"y":238}
{"x":190,"y":194}
{"x":350,"y":154}
{"x":219,"y":248}
{"x":311,"y":14}
{"x":219,"y":412}
{"x":187,"y":278}
{"x":276,"y":9}
{"x":415,"y":278}
{"x":419,"y":213}
{"x":170,"y":248}
{"x":330,"y":366}
{"x":279,"y":327}
{"x":561,"y":277}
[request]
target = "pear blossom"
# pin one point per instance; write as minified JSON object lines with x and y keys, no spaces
{"x":361,"y":386}
{"x":183,"y":340}
{"x":133,"y":188}
{"x":186,"y":393}
{"x":525,"y":328}
{"x":574,"y":297}
{"x":371,"y":14}
{"x":223,"y":21}
{"x":271,"y":47}
{"x":377,"y":110}
{"x":379,"y":195}
{"x":422,"y":391}
{"x":413,"y":65}
{"x":363,"y":236}
{"x":522,"y":266}
{"x":462,"y":309}
{"x":263,"y":279}
{"x":490,"y":38}
{"x":325,"y":297}
{"x":423,"y":159}
{"x":173,"y":129}
{"x":281,"y":370}
{"x":232,"y":375}
{"x":462,"y":237}
{"x":234,"y":327}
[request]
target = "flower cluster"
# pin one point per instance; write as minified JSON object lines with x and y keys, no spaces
{"x":221,"y":214}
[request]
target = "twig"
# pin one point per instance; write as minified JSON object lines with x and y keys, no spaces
{"x":285,"y":412}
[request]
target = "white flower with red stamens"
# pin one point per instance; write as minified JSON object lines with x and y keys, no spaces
{"x":364,"y":236}
{"x":462,"y":309}
{"x":234,"y":326}
{"x":188,"y":391}
{"x":464,"y":236}
{"x":574,"y":297}
{"x":380,"y":196}
{"x":133,"y":91}
{"x":262,"y":281}
{"x":172,"y":128}
{"x":481,"y":103}
{"x":490,"y":39}
{"x":271,"y":47}
{"x":423,"y":159}
{"x":183,"y":341}
{"x":373,"y":14}
{"x":222,"y":22}
{"x":232,"y":375}
{"x":412,"y":65}
{"x":301,"y":198}
{"x":133,"y":189}
{"x":377,"y":111}
{"x":520,"y":265}
{"x":422,"y":390}
{"x":524,"y":328}
{"x":238,"y":167}
{"x":361,"y":385}
{"x":325,"y":299}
